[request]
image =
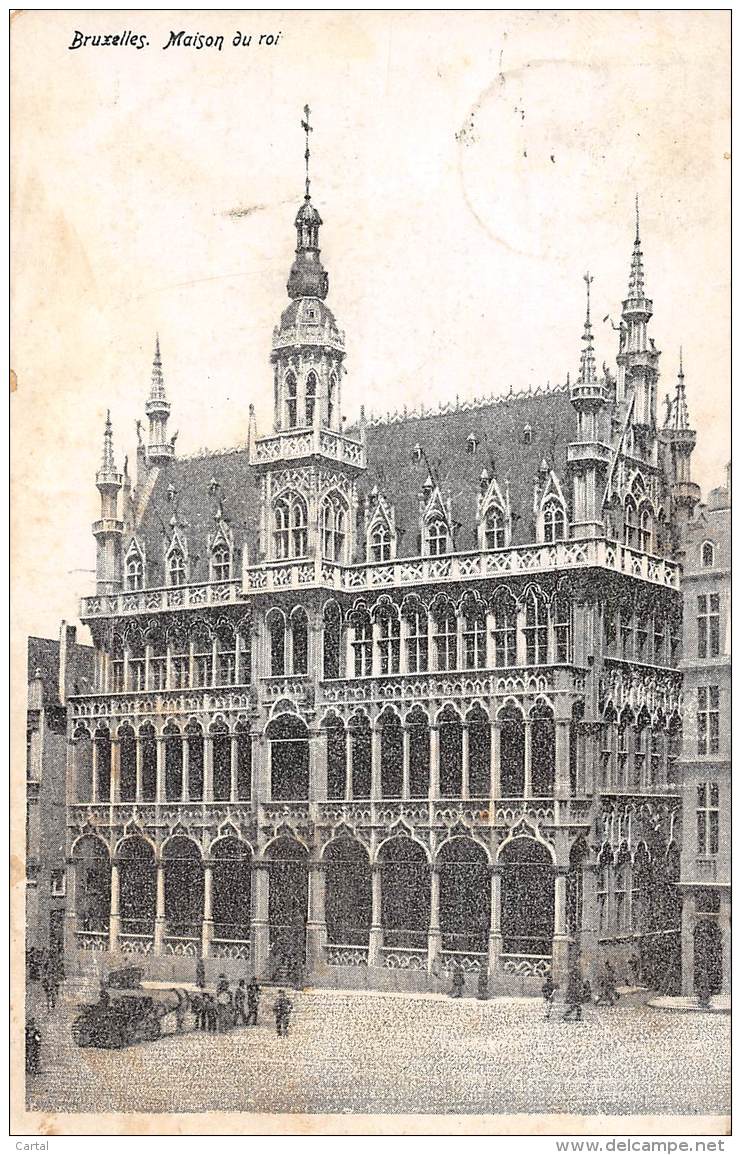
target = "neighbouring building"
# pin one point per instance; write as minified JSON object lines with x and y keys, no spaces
{"x":392,"y":698}
{"x":705,"y":879}
{"x":56,"y":669}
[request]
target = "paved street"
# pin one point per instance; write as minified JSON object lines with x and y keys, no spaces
{"x":361,"y":1052}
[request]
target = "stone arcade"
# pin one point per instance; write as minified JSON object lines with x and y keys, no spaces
{"x":390,"y":699}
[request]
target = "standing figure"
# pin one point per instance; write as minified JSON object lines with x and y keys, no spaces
{"x":33,"y":1047}
{"x":211,"y":1013}
{"x":548,"y":991}
{"x":253,"y":1002}
{"x":240,"y":996}
{"x":574,"y":993}
{"x":224,"y":1005}
{"x":457,"y":987}
{"x":200,"y":973}
{"x":282,"y":1008}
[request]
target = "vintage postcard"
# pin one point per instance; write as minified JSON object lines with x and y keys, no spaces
{"x":371,"y":572}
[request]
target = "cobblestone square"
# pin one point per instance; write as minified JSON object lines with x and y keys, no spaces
{"x":351,"y":1052}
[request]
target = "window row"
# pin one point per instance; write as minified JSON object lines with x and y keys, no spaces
{"x":641,"y":637}
{"x":708,"y":719}
{"x":178,"y":663}
{"x":637,"y":756}
{"x":177,"y":567}
{"x":419,"y":639}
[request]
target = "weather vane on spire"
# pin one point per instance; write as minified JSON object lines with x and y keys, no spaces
{"x":307,"y":129}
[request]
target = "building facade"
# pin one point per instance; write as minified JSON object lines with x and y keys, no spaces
{"x":705,"y":880}
{"x":56,"y":668}
{"x":391,"y":699}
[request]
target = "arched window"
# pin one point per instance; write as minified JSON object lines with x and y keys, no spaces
{"x":243,"y":738}
{"x":418,"y":727}
{"x":708,"y":554}
{"x":157,"y":659}
{"x":528,"y":890}
{"x":437,"y":536}
{"x":464,"y":896}
{"x":631,"y":523}
{"x":474,"y":634}
{"x":362,"y":643}
{"x":136,"y":661}
{"x":334,"y":528}
{"x":446,"y":637}
{"x":83,"y":755}
{"x":349,"y":892}
{"x":195,"y":761}
{"x":291,"y":404}
{"x":176,"y":569}
{"x":221,"y":565}
{"x":226,"y":655}
{"x":336,"y":757}
{"x":127,"y":756}
{"x":389,"y":640}
{"x":332,"y":639}
{"x":543,"y":746}
{"x":289,"y":758}
{"x":179,"y":660}
{"x":148,"y":759}
{"x":505,"y":630}
{"x":184,"y":889}
{"x":380,"y":542}
{"x":221,"y":758}
{"x":479,"y":752}
{"x":232,"y":890}
{"x":554,"y":521}
{"x":311,"y":392}
{"x":137,"y":874}
{"x":646,"y":530}
{"x":562,"y":628}
{"x":299,"y":536}
{"x":405,"y":893}
{"x":134,"y":572}
{"x":417,"y":641}
{"x":281,"y":533}
{"x":359,"y":732}
{"x":277,"y":638}
{"x":299,"y":641}
{"x":173,"y":763}
{"x":203,"y":656}
{"x":451,"y":754}
{"x":536,"y":630}
{"x":392,"y":753}
{"x":512,"y":751}
{"x":102,"y":738}
{"x":331,"y":399}
{"x":117,"y":663}
{"x":93,"y":883}
{"x":495,"y":532}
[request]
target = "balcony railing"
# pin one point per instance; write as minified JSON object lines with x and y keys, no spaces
{"x":136,"y":703}
{"x":525,"y":560}
{"x":296,"y":443}
{"x":161,"y":598}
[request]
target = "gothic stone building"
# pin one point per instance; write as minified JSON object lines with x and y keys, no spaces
{"x":391,"y":699}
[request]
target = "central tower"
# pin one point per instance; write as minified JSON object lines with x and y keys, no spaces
{"x":308,"y":348}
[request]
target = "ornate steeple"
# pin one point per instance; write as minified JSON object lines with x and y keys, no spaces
{"x":679,"y":417}
{"x":635,"y":281}
{"x":108,"y":530}
{"x":107,"y":473}
{"x":587,"y":371}
{"x":307,"y":277}
{"x":637,"y":357}
{"x":159,"y":449}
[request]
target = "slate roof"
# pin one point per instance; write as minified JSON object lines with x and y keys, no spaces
{"x":498,"y":427}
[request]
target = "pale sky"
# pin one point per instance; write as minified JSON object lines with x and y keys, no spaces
{"x":469,"y":168}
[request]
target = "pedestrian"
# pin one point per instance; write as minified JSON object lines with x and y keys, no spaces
{"x":211,"y":1014}
{"x":240,"y":996}
{"x":574,"y":993}
{"x":483,"y":987}
{"x":224,"y":1005}
{"x":200,"y":974}
{"x":548,"y":991}
{"x":282,"y":1008}
{"x":586,"y":992}
{"x":33,"y":1047}
{"x":457,"y":988}
{"x":253,"y":1002}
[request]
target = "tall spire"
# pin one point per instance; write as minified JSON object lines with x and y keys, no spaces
{"x":635,"y":282}
{"x":307,"y":277}
{"x":587,"y":372}
{"x":157,"y":392}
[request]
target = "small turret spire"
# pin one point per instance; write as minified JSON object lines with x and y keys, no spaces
{"x":108,"y":464}
{"x":587,"y":372}
{"x":157,"y":392}
{"x":680,"y":414}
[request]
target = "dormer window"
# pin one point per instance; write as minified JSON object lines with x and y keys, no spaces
{"x":134,"y":573}
{"x":437,"y":537}
{"x":290,"y":535}
{"x":554,"y":522}
{"x":708,"y":554}
{"x":527,"y":435}
{"x":176,"y":568}
{"x":380,"y":543}
{"x":220,"y":564}
{"x":495,"y":531}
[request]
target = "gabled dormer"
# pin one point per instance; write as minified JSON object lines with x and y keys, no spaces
{"x":549,"y":507}
{"x":494,"y":514}
{"x":379,"y":526}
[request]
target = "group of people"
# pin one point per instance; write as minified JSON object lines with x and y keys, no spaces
{"x":579,"y":993}
{"x":228,"y":1008}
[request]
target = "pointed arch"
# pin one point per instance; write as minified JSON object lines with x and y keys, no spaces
{"x":176,"y":560}
{"x":290,"y":395}
{"x":335,"y":524}
{"x":311,"y":393}
{"x":135,"y":566}
{"x":552,"y":514}
{"x":331,"y":640}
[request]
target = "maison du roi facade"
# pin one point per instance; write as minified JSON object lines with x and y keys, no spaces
{"x":390,"y":699}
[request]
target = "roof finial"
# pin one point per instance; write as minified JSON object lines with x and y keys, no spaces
{"x":307,"y":129}
{"x":638,"y":223}
{"x":588,"y":373}
{"x":635,"y":283}
{"x":108,"y":465}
